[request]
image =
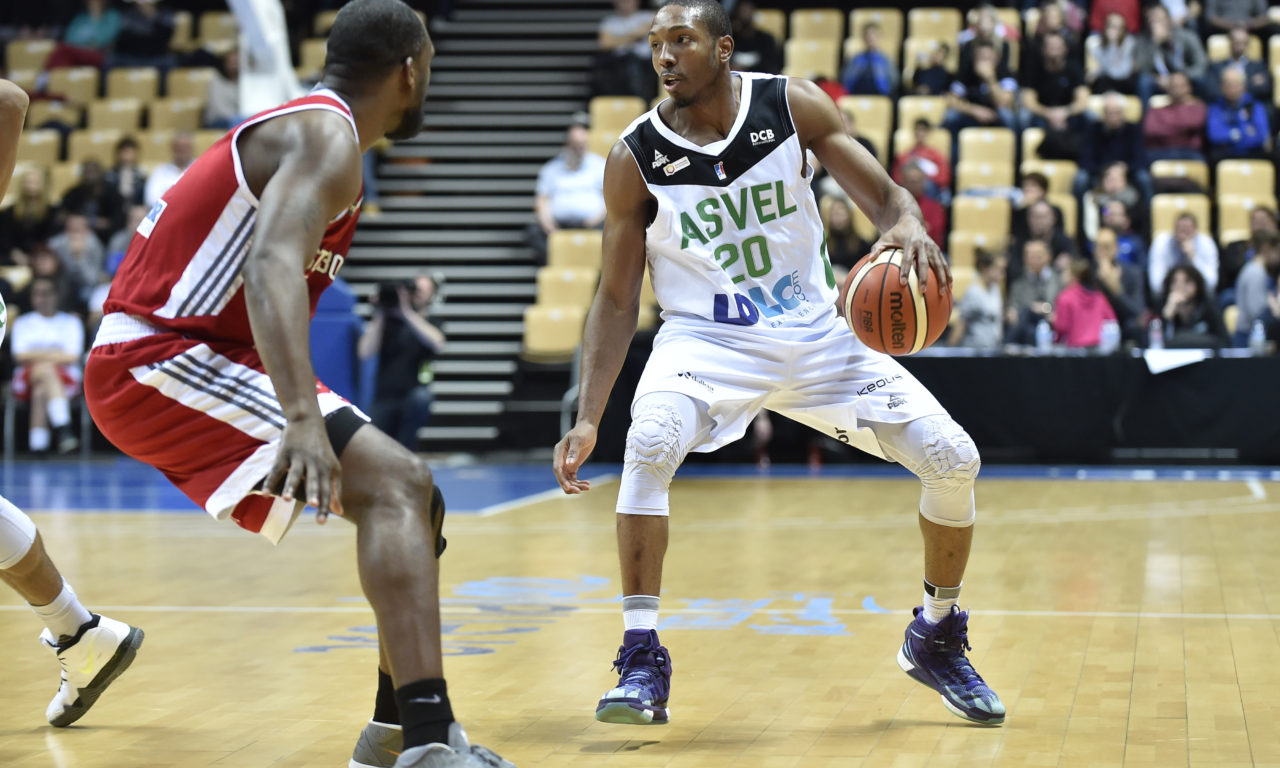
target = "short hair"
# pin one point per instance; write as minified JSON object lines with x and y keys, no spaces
{"x":1037,"y":178}
{"x":127,"y":142}
{"x":1188,"y":215}
{"x":1265,"y":238}
{"x":984,"y":259}
{"x":1275,"y":217}
{"x":923,"y":121}
{"x":709,"y":12}
{"x":370,"y":38}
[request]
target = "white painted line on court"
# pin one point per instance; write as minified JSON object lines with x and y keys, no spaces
{"x":1256,"y":488}
{"x":554,"y":493}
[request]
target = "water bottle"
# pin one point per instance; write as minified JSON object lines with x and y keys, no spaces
{"x":1109,"y":338}
{"x":1258,"y":339}
{"x":1155,"y":334}
{"x":1044,"y":336}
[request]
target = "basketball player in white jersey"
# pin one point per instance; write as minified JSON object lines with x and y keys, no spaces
{"x":711,"y":188}
{"x":93,"y":650}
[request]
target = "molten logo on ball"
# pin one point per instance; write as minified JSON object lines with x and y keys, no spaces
{"x":897,"y":325}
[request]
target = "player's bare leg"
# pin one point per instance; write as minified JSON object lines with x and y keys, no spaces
{"x":38,"y":375}
{"x":642,"y":545}
{"x":946,"y":552}
{"x":382,"y":739}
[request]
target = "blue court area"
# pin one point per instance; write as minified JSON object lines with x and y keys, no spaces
{"x":121,"y":484}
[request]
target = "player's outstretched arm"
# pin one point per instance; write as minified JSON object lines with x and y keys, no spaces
{"x":612,"y":320}
{"x":13,"y":111}
{"x":308,"y":170}
{"x":890,"y":207}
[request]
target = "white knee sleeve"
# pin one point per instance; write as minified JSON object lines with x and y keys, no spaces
{"x":17,"y":534}
{"x":663,"y":427}
{"x":943,"y":456}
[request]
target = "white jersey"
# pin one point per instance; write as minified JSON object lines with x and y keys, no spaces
{"x":737,"y":238}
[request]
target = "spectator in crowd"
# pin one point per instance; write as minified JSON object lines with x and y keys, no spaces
{"x":1111,"y":59}
{"x":96,"y":200}
{"x":851,"y":127}
{"x":1234,"y":255}
{"x":1081,"y":308}
{"x":1113,"y":186}
{"x":754,"y":50}
{"x":145,"y":32}
{"x":986,"y":97}
{"x":30,"y":220}
{"x":1054,"y":20}
{"x":82,"y":255}
{"x":222,"y":101}
{"x":88,"y":38}
{"x":165,"y":175}
{"x":116,"y":247}
{"x":1257,"y":81}
{"x":1032,"y":294}
{"x":1042,"y":226}
{"x":47,"y":346}
{"x":126,"y":176}
{"x":1191,"y":318}
{"x":980,"y":313}
{"x":570,"y":191}
{"x":1186,"y":244}
{"x":1166,"y":49}
{"x":932,"y":78}
{"x":1225,"y":15}
{"x":1129,"y":10}
{"x":1035,"y":187}
{"x":822,"y":183}
{"x":870,"y":72}
{"x":985,"y":28}
{"x":45,"y":263}
{"x":936,"y":168}
{"x":1131,"y":247}
{"x":1237,"y":124}
{"x":405,"y":341}
{"x":1109,"y":141}
{"x":1123,"y":284}
{"x":1180,"y":12}
{"x":1054,"y":93}
{"x":1176,"y":131}
{"x":935,"y":216}
{"x":624,"y":64}
{"x":1257,"y":281}
{"x":844,"y":246}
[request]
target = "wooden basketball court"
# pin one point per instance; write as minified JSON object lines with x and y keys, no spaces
{"x":1122,"y":622}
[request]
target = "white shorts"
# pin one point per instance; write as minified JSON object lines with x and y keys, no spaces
{"x":820,"y":376}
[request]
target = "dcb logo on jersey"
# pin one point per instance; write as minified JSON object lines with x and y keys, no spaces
{"x":762,"y":137}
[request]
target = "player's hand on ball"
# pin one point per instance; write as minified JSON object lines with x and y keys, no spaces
{"x":919,"y":251}
{"x":306,"y":457}
{"x":571,"y":453}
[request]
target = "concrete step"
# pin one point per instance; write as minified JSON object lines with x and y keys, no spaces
{"x":393,"y":187}
{"x":462,"y":328}
{"x":570,"y":86}
{"x":563,"y":62}
{"x":363,"y":256}
{"x":513,"y":134}
{"x":469,"y":170}
{"x":478,"y":434}
{"x":499,"y":26}
{"x":492,"y":309}
{"x":450,"y":218}
{"x":557,"y":120}
{"x":443,"y":202}
{"x":471,"y":389}
{"x":471,"y":368}
{"x":485,"y":349}
{"x":537,"y":45}
{"x":470,"y":152}
{"x":421,"y":237}
{"x":466,"y":408}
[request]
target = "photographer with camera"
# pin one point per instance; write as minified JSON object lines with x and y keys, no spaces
{"x":404,"y":342}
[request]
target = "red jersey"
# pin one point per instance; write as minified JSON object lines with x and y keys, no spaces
{"x":183,"y":269}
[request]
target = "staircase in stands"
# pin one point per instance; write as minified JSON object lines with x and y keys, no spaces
{"x":456,"y":201}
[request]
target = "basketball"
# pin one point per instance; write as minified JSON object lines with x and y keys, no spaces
{"x":889,"y":316}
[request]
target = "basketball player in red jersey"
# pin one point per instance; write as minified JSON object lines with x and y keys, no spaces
{"x":711,"y":189}
{"x":201,"y":365}
{"x":93,"y":650}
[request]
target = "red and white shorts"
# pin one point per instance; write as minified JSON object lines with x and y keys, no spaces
{"x":69,"y":375}
{"x":202,"y":412}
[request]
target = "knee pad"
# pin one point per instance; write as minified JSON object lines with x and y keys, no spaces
{"x":661,"y":431}
{"x":947,"y":469}
{"x":17,"y":534}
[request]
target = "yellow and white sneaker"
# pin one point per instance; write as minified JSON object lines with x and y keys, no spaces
{"x":98,"y":654}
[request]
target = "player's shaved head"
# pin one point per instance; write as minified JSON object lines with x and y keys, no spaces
{"x":709,"y":12}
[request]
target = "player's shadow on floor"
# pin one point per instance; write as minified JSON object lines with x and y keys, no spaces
{"x":611,"y":747}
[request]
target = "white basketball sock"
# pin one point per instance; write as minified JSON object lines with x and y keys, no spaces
{"x":65,"y":615}
{"x":59,"y":412}
{"x":38,"y":439}
{"x":639,"y":612}
{"x":938,"y":601}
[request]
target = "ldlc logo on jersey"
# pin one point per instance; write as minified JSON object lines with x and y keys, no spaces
{"x":659,"y":159}
{"x":678,"y":165}
{"x":761,"y":137}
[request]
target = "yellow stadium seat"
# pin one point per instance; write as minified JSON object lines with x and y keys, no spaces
{"x":1132,"y":107}
{"x":1066,"y":203}
{"x":574,"y":248}
{"x":218,"y":29}
{"x":962,"y":276}
{"x":1231,"y":318}
{"x":931,"y":108}
{"x":889,"y":19}
{"x":154,"y":147}
{"x":62,"y":177}
{"x":120,"y":114}
{"x":1159,"y":101}
{"x":89,"y":144}
{"x":77,"y":84}
{"x":1165,"y":209}
{"x":871,"y":114}
{"x":203,"y":139}
{"x":1275,"y":75}
{"x":938,"y":138}
{"x":566,"y":286}
{"x":975,"y":174}
{"x":552,"y":334}
{"x":1252,"y":178}
{"x":141,"y":83}
{"x":771,"y":20}
{"x":987,"y":145}
{"x":601,"y":142}
{"x":812,"y":58}
{"x":1060,"y":173}
{"x":41,"y":112}
{"x":615,"y":113}
{"x":190,"y":83}
{"x":183,"y":38}
{"x":817,"y":24}
{"x":25,"y":79}
{"x":323,"y":22}
{"x":938,"y":23}
{"x":989,"y":216}
{"x":311,"y":55}
{"x":963,"y":245}
{"x":175,"y":115}
{"x":1195,"y":170}
{"x":1010,"y":18}
{"x":914,"y":47}
{"x":28,"y":54}
{"x":1218,"y":47}
{"x":38,"y":148}
{"x":1234,"y":210}
{"x":1031,"y":139}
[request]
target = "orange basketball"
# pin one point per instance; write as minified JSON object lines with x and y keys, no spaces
{"x":889,"y":316}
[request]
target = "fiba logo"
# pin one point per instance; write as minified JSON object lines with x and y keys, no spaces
{"x":761,"y":137}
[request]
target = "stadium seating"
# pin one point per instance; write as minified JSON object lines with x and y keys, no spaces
{"x":566,"y":286}
{"x":552,"y":334}
{"x":574,"y":248}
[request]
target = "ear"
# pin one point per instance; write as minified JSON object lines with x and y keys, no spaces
{"x":409,"y":73}
{"x":724,"y":48}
